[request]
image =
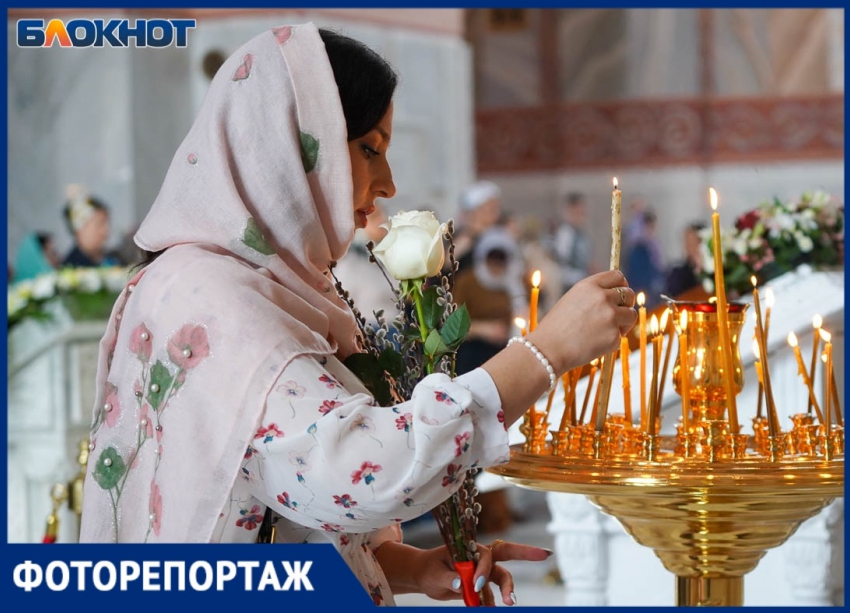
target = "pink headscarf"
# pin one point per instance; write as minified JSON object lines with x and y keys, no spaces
{"x":256,"y":203}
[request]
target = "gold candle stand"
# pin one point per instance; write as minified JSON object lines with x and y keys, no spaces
{"x":710,"y":502}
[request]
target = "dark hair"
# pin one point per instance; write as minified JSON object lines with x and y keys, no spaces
{"x":43,"y":238}
{"x":575,"y":198}
{"x":497,"y":255}
{"x":365,"y":80}
{"x":697,"y":226}
{"x":94,"y":202}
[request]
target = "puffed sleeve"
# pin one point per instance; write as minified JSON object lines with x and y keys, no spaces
{"x":325,"y":456}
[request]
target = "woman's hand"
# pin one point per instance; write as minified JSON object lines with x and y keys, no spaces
{"x":587,"y":321}
{"x":431,"y":571}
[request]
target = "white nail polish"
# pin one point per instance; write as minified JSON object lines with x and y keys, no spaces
{"x":479,"y":583}
{"x":456,"y":583}
{"x":513,"y":598}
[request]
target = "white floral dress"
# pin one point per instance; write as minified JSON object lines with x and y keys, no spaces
{"x":336,"y":468}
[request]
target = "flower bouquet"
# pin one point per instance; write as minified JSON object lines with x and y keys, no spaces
{"x":87,"y":294}
{"x":776,"y":237}
{"x":422,"y":338}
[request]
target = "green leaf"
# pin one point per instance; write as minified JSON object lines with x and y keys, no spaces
{"x":368,"y":369}
{"x":456,"y":328}
{"x":309,"y":151}
{"x":253,"y":238}
{"x":432,"y":311}
{"x":161,"y":377}
{"x":391,"y":362}
{"x":109,"y":469}
{"x":435,"y":346}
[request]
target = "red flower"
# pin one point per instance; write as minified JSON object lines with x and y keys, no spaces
{"x":366,"y":473}
{"x":748,"y":220}
{"x":189,"y":346}
{"x":269,"y":433}
{"x":453,"y":470}
{"x":461,"y":443}
{"x":250,"y":519}
{"x":329,"y":405}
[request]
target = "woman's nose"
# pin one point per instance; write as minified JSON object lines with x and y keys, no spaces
{"x":384,"y":185}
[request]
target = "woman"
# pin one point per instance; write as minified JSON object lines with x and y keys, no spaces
{"x":36,"y":256}
{"x":88,"y":221}
{"x":220,"y":386}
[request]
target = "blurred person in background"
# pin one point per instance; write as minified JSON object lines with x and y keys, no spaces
{"x":571,"y":243}
{"x":481,"y":209}
{"x":36,"y":255}
{"x":685,"y":276}
{"x":644,"y":265}
{"x":88,"y":221}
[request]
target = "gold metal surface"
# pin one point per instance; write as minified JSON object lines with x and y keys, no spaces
{"x":710,"y":501}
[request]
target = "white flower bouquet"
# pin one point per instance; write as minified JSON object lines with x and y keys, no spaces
{"x":87,"y":293}
{"x":777,"y":237}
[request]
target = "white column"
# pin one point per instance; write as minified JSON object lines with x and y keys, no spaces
{"x":581,"y":547}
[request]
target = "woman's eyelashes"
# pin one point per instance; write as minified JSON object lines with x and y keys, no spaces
{"x":369,"y":152}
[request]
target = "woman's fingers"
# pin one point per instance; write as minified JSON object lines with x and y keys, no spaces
{"x":503,"y":551}
{"x":487,"y":570}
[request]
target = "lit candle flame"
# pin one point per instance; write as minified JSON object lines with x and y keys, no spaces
{"x":769,"y":297}
{"x":817,"y":322}
{"x":664,"y":317}
{"x":792,"y":339}
{"x":520,"y":323}
{"x":615,"y":183}
{"x":826,"y":336}
{"x":594,"y":362}
{"x":535,"y":278}
{"x":754,"y":281}
{"x":641,"y":299}
{"x":653,"y":325}
{"x":756,"y":351}
{"x":712,"y":195}
{"x":823,"y":357}
{"x":712,"y":299}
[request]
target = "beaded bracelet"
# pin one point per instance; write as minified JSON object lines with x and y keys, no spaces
{"x":553,"y":380}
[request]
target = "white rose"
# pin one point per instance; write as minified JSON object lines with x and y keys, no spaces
{"x":14,"y":302}
{"x":89,"y":280}
{"x":44,"y":286}
{"x":804,"y":242}
{"x":413,"y":246}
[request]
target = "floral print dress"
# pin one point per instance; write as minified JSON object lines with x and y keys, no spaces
{"x":336,"y":468}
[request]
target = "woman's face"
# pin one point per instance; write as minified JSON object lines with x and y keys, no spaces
{"x":370,"y":170}
{"x":93,"y":235}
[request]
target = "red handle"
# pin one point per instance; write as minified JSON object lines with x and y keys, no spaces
{"x":466,"y":570}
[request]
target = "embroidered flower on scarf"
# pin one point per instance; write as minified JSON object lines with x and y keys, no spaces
{"x":283,"y":498}
{"x":329,"y":405}
{"x":366,"y":472}
{"x":345,"y":501}
{"x":291,"y":388}
{"x":404,"y":422}
{"x":461,"y":443}
{"x":453,"y":473}
{"x":111,"y":405}
{"x":141,"y":342}
{"x":155,"y":508}
{"x":329,"y":381}
{"x":249,"y":453}
{"x":269,"y":433}
{"x":251,"y":519}
{"x":189,"y":346}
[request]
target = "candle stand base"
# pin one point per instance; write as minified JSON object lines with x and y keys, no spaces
{"x":710,"y":517}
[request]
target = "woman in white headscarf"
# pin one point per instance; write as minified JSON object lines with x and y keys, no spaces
{"x":221,"y":391}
